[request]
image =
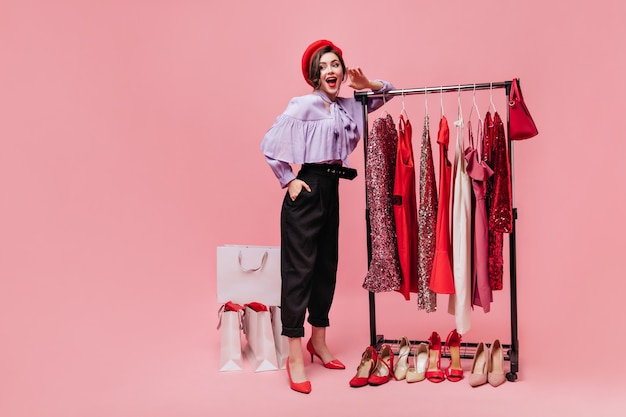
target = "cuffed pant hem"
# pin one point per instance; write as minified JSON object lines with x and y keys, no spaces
{"x":318,"y":323}
{"x":293,"y":331}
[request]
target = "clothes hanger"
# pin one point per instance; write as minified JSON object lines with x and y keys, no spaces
{"x":491,"y":105}
{"x":426,"y":102}
{"x":403,"y":111}
{"x":491,"y":97}
{"x":384,"y":112}
{"x":475,"y":106}
{"x":459,"y":121}
{"x":441,"y":100}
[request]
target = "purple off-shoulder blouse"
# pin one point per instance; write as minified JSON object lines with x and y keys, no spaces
{"x":307,"y":132}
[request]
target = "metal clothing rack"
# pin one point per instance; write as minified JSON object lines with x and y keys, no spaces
{"x":467,"y":348}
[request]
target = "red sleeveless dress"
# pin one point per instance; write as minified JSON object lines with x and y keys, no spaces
{"x":442,"y":279}
{"x":405,"y":209}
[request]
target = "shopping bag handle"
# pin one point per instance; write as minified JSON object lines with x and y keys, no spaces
{"x":243,"y":268}
{"x":223,"y":309}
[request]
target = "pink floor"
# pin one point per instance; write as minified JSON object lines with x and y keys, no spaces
{"x":153,"y":363}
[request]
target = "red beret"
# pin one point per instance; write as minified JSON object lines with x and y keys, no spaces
{"x":310,"y":51}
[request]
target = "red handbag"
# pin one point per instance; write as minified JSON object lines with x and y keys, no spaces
{"x":521,"y":124}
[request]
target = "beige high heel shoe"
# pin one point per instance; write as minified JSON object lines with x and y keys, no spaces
{"x":478,"y":374}
{"x":495,"y":371}
{"x":402,"y":363}
{"x":417,"y":373}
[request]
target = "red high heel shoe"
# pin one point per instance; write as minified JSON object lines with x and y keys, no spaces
{"x":384,"y":367}
{"x":303,"y":387}
{"x":365,"y":368}
{"x":454,"y":372}
{"x":334,"y":364}
{"x":434,"y":372}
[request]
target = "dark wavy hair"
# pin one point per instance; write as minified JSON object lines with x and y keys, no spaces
{"x":314,"y":69}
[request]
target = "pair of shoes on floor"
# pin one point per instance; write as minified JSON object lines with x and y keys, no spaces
{"x":454,"y":371}
{"x":375,"y":368}
{"x":488,"y":365}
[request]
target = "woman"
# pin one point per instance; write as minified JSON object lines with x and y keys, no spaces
{"x":319,"y":131}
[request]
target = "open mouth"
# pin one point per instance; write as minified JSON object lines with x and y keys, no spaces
{"x":331,"y":81}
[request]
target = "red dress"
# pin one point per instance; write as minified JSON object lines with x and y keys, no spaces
{"x":442,"y":279}
{"x":498,"y":196}
{"x":405,"y":209}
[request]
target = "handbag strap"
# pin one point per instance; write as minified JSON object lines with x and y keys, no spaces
{"x":243,"y":268}
{"x":516,"y":94}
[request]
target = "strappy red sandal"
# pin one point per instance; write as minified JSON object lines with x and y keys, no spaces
{"x":454,"y":372}
{"x":434,"y":372}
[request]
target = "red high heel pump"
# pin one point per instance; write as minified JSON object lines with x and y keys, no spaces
{"x":434,"y":372}
{"x":365,"y":368}
{"x":334,"y":364}
{"x":384,"y":367}
{"x":303,"y":387}
{"x":454,"y":372}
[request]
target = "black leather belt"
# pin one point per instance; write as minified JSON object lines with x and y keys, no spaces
{"x":331,"y":170}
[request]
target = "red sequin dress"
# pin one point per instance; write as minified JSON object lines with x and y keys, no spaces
{"x":405,"y":208}
{"x":498,"y":195}
{"x":384,"y":270}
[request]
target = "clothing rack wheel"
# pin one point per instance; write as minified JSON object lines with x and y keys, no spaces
{"x":377,"y":340}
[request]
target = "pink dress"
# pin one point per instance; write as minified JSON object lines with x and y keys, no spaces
{"x":479,"y":172}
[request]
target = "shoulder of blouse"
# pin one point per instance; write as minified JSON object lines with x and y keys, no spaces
{"x":309,"y":107}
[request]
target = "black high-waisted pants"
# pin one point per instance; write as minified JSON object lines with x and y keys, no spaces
{"x":309,"y":253}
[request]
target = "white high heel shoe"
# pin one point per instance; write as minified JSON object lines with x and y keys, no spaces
{"x":420,"y":361}
{"x":402,"y":364}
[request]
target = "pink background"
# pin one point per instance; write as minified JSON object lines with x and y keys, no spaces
{"x":129,"y":135}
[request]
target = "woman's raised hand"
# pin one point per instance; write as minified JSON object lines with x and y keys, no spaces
{"x":359,"y":81}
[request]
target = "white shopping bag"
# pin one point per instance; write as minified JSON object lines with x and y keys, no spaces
{"x":281,"y":342}
{"x":248,"y":273}
{"x":260,"y":349}
{"x":230,"y":339}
